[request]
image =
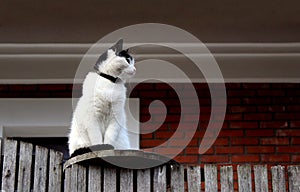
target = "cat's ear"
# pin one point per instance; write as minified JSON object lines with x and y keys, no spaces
{"x":117,"y":47}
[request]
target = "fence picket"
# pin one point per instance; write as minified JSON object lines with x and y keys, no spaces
{"x":126,"y":180}
{"x":294,"y":178}
{"x":160,"y":179}
{"x":194,"y":178}
{"x":278,"y":178}
{"x":211,"y":178}
{"x":244,"y":178}
{"x":144,"y":179}
{"x":67,"y":182}
{"x":40,"y":169}
{"x":261,"y":178}
{"x":81,"y":178}
{"x":9,"y":165}
{"x":25,"y":162}
{"x":74,"y":178}
{"x":110,"y":179}
{"x":55,"y":171}
{"x":226,"y":177}
{"x":177,"y":178}
{"x":94,"y":182}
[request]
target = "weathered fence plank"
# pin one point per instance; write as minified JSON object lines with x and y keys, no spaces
{"x":160,"y":179}
{"x":294,"y":178}
{"x":55,"y":171}
{"x":244,"y":178}
{"x":226,"y":177}
{"x":110,"y":179}
{"x":81,"y":179}
{"x":40,"y":169}
{"x":25,"y":163}
{"x":194,"y":178}
{"x":177,"y":178}
{"x":211,"y":178}
{"x":261,"y":178}
{"x":126,"y":180}
{"x":74,"y":178}
{"x":9,"y":165}
{"x":67,"y":184}
{"x":278,"y":178}
{"x":143,"y":180}
{"x":94,"y":181}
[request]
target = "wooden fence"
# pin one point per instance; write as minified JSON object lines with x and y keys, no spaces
{"x":27,"y":168}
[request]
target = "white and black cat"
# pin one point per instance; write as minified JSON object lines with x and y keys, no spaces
{"x":99,"y":117}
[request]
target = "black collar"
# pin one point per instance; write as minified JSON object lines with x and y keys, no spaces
{"x":109,"y":77}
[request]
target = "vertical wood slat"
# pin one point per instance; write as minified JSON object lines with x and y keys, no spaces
{"x":261,"y":178}
{"x":294,"y":178}
{"x":110,"y":179}
{"x":74,"y":178}
{"x":177,"y":178}
{"x":126,"y":180}
{"x":244,"y":178}
{"x":55,"y":171}
{"x":94,"y":181}
{"x":226,"y":177}
{"x":160,"y":179}
{"x":144,"y":180}
{"x":25,"y":163}
{"x":9,"y":165}
{"x":211,"y":178}
{"x":194,"y":178}
{"x":278,"y":178}
{"x":40,"y":169}
{"x":67,"y":182}
{"x":81,"y":178}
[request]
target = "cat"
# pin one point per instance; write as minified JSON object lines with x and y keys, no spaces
{"x":99,"y":117}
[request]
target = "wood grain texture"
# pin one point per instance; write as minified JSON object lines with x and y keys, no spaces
{"x":278,"y":178}
{"x":226,"y":177}
{"x":40,"y":169}
{"x":211,"y":178}
{"x":261,"y":178}
{"x":55,"y":171}
{"x":126,"y":180}
{"x":144,"y":180}
{"x":160,"y":179}
{"x":110,"y":179}
{"x":294,"y":178}
{"x":177,"y":178}
{"x":25,"y":163}
{"x":9,"y":165}
{"x":244,"y":178}
{"x":194,"y":178}
{"x":94,"y":178}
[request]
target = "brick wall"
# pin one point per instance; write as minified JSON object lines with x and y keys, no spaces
{"x":262,"y":123}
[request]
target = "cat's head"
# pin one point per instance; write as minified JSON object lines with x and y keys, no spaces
{"x":119,"y":65}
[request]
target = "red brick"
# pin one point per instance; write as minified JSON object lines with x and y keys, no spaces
{"x":182,"y":142}
{"x":195,"y":151}
{"x":245,"y":158}
{"x":169,"y":118}
{"x":143,"y":86}
{"x":273,"y":124}
{"x":293,"y":108}
{"x":228,"y":150}
{"x":295,"y":158}
{"x":146,"y":136}
{"x":256,"y":85}
{"x":151,"y":143}
{"x":168,"y":134}
{"x":53,"y":87}
{"x":23,"y":87}
{"x":258,"y":116}
{"x":221,"y":141}
{"x":233,"y":117}
{"x":214,"y":159}
{"x":242,"y":109}
{"x":288,"y":149}
{"x":153,"y":126}
{"x":287,"y":116}
{"x":231,"y":133}
{"x":153,"y":94}
{"x":295,"y":124}
{"x":233,"y":101}
{"x":295,"y":141}
{"x":274,"y":141}
{"x":240,"y":93}
{"x":168,"y":151}
{"x":288,"y":132}
{"x":256,"y":101}
{"x":259,"y":132}
{"x":271,"y":93}
{"x":275,"y":158}
{"x":3,"y":87}
{"x":233,"y":85}
{"x":190,"y":159}
{"x":271,"y":108}
{"x":244,"y":141}
{"x":260,"y":149}
{"x":243,"y":124}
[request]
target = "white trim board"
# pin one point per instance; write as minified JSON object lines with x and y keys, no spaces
{"x":49,"y":118}
{"x":42,"y":63}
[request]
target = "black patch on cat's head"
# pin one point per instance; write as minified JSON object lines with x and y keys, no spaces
{"x":125,"y":54}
